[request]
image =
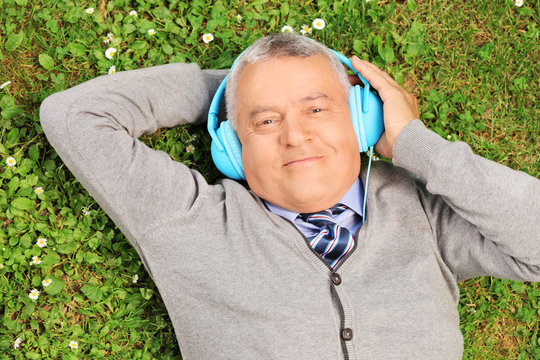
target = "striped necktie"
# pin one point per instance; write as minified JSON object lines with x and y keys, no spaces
{"x":332,"y":241}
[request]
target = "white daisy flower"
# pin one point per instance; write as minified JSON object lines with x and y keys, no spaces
{"x":38,"y":190}
{"x":34,"y":294}
{"x":190,"y":148}
{"x":17,"y":343}
{"x":46,"y":282}
{"x":151,"y":32}
{"x":319,"y":24}
{"x":112,"y":70}
{"x":239,"y":17}
{"x":5,"y":84}
{"x":109,"y":53}
{"x":133,"y":13}
{"x":287,"y":28}
{"x":135,"y":278}
{"x":36,"y":260}
{"x":1,"y":266}
{"x":110,"y":37}
{"x":10,"y":161}
{"x":519,"y":3}
{"x":73,"y":344}
{"x":85,"y":211}
{"x":89,"y":10}
{"x":41,"y":242}
{"x":207,"y":38}
{"x":305,"y":30}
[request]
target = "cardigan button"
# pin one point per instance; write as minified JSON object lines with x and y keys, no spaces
{"x":336,"y":278}
{"x":346,"y":334}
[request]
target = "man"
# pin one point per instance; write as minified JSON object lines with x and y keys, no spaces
{"x":238,"y":275}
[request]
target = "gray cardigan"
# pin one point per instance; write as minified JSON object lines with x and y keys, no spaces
{"x":240,"y":282}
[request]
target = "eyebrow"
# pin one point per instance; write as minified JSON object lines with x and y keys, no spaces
{"x":261,"y":109}
{"x":314,"y":97}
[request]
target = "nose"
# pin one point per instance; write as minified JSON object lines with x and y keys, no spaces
{"x":296,"y":130}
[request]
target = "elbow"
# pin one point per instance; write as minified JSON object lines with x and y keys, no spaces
{"x":46,"y":113}
{"x":52,"y":114}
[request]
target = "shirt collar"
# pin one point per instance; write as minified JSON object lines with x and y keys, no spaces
{"x":353,"y":199}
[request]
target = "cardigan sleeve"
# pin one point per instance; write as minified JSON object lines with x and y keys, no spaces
{"x":95,"y":127}
{"x":485,"y":216}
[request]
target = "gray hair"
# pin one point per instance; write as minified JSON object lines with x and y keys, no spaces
{"x":279,"y":45}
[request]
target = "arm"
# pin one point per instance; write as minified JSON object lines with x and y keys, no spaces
{"x":485,"y":216}
{"x":94,"y":128}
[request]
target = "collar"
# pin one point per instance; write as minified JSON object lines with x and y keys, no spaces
{"x":353,"y":199}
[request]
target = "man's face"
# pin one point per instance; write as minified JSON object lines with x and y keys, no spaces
{"x":299,"y":149}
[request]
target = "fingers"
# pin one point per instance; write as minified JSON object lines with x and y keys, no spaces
{"x":379,"y":79}
{"x":374,"y":71}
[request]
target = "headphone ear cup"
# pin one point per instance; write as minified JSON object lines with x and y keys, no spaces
{"x":373,"y":120}
{"x":229,"y":160}
{"x":357,"y":115}
{"x":368,"y":124}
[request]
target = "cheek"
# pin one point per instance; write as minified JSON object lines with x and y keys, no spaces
{"x":258,"y":167}
{"x":347,"y":145}
{"x":343,"y":135}
{"x":257,"y":158}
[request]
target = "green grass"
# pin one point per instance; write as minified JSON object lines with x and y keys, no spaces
{"x":473,"y":66}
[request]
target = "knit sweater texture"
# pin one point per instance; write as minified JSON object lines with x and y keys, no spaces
{"x":240,"y":282}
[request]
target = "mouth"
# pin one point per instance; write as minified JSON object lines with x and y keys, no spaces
{"x":303,"y":161}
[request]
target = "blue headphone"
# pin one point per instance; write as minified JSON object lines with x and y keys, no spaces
{"x":366,"y":114}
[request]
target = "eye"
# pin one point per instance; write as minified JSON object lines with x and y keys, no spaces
{"x":266,"y":123}
{"x":317,"y":110}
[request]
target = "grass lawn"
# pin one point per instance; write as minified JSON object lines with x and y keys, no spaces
{"x":473,"y":66}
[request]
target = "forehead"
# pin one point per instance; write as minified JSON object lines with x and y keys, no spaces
{"x":293,"y":78}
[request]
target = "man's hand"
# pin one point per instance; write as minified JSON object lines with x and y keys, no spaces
{"x":399,"y":107}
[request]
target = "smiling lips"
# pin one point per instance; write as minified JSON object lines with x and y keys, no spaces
{"x":303,"y":161}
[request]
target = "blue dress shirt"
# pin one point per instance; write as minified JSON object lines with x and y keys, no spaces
{"x":350,"y":219}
